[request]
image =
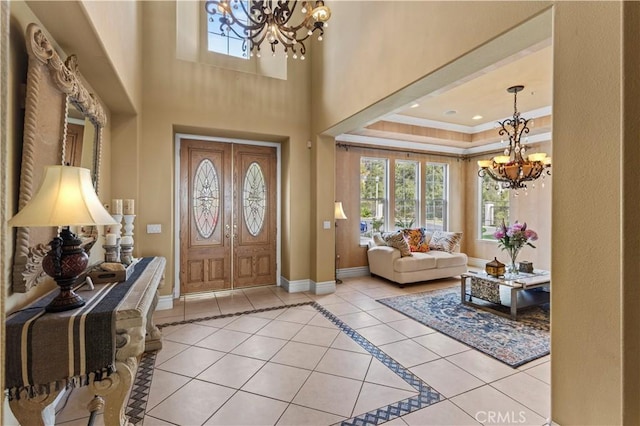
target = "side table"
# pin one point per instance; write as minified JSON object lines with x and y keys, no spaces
{"x":487,"y":288}
{"x":133,"y":331}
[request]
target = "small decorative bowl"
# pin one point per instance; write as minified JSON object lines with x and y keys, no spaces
{"x":525,"y":266}
{"x":494,"y":268}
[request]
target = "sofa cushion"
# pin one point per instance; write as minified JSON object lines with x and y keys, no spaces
{"x":396,"y":240}
{"x":447,"y":260}
{"x":418,"y":262}
{"x":445,"y":241}
{"x":418,"y":239}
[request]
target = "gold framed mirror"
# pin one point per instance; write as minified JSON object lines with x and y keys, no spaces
{"x":52,"y":86}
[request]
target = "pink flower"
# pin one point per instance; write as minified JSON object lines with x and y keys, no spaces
{"x":518,"y":226}
{"x":514,"y":236}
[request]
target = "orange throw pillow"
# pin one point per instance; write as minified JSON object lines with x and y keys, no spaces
{"x":417,"y":239}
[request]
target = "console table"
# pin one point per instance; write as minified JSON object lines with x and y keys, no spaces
{"x":525,"y":289}
{"x":41,"y":356}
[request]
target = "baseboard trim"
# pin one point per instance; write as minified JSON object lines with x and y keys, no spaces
{"x":165,"y":302}
{"x":326,"y":287}
{"x":359,"y":271}
{"x":295,"y":286}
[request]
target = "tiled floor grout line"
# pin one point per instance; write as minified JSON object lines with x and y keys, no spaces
{"x":274,"y":362}
{"x":507,"y":395}
{"x":307,"y":379}
{"x":484,"y":383}
{"x":411,"y":405}
{"x":372,"y":419}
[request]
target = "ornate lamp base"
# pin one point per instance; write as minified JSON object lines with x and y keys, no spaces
{"x":65,"y":262}
{"x":66,"y":300}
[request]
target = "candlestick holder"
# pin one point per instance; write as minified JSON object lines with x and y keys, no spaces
{"x":127,"y":238}
{"x":126,"y":254}
{"x":111,"y":253}
{"x":117,"y":230}
{"x":128,"y":224}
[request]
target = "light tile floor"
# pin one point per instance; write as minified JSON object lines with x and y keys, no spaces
{"x":293,"y":366}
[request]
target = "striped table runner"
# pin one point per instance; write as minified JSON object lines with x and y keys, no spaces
{"x":48,"y":351}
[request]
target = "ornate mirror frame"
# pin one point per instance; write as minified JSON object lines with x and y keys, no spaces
{"x":51,"y":84}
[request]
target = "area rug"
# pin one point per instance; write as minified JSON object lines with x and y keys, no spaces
{"x":512,"y":342}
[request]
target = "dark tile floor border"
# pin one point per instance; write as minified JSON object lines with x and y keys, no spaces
{"x":426,"y":395}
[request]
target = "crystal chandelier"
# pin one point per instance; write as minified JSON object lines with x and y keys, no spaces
{"x":269,"y":20}
{"x":513,"y":169}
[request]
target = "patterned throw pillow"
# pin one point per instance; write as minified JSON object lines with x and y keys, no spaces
{"x":396,"y":240}
{"x":445,"y":241}
{"x":418,"y":239}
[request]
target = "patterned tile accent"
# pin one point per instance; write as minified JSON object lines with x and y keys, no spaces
{"x":426,"y":396}
{"x":236,"y":314}
{"x":137,"y":403}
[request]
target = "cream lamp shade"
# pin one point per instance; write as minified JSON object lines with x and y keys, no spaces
{"x":65,"y":197}
{"x":339,"y":212}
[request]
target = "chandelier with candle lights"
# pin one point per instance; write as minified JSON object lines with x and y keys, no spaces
{"x":513,"y":169}
{"x":255,"y":21}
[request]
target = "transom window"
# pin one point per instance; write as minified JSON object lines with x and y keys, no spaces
{"x":225,"y":41}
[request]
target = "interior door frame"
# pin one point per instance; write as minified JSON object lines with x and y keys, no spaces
{"x":176,"y":197}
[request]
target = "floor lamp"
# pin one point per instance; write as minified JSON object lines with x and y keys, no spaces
{"x":338,"y":215}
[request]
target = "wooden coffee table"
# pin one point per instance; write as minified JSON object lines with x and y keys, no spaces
{"x":511,"y":291}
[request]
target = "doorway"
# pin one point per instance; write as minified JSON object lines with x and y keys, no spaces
{"x":227,"y":215}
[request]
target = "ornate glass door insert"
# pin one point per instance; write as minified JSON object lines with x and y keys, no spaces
{"x":254,"y":198}
{"x":206,"y":198}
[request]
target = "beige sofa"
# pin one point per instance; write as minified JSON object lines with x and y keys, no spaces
{"x":386,"y":262}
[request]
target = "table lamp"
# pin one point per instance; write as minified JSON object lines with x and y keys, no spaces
{"x":338,"y":215}
{"x":66,"y":197}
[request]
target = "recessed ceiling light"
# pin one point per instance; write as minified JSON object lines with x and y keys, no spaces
{"x":414,"y":105}
{"x":450,"y":112}
{"x":477,"y":117}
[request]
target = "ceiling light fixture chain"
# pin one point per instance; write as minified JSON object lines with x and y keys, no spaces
{"x":512,"y":169}
{"x":268,"y":19}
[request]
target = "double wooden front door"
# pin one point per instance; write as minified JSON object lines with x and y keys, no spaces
{"x":227,"y":215}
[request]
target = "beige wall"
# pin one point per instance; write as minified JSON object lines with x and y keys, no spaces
{"x":587,"y":322}
{"x":433,"y":34}
{"x":119,"y":25}
{"x":594,"y":331}
{"x":532,"y":206}
{"x":594,"y":334}
{"x":21,"y":16}
{"x":184,"y":96}
{"x":348,"y":191}
{"x":630,"y":209}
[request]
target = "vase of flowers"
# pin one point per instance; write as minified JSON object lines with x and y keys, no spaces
{"x":512,"y":238}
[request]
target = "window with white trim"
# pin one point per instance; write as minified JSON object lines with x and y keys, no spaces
{"x":407,"y":194}
{"x":494,"y":207}
{"x":415,"y":201}
{"x":225,"y":41}
{"x":435,"y":201}
{"x":373,"y":195}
